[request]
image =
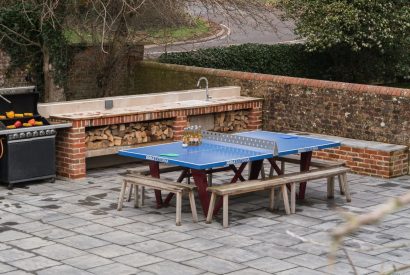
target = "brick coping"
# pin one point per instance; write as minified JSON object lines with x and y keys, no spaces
{"x":357,"y":143}
{"x":324,"y":84}
{"x":152,"y":108}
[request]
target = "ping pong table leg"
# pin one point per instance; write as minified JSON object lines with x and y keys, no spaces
{"x":275,"y":167}
{"x":238,"y":172}
{"x":305,"y":159}
{"x":255,"y":169}
{"x":154,"y":171}
{"x":238,"y":175}
{"x":184,"y":174}
{"x":202,"y":184}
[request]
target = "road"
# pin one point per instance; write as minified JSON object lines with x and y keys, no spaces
{"x":268,"y":29}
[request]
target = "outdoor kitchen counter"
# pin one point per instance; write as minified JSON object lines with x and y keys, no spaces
{"x":174,"y":110}
{"x":180,"y":105}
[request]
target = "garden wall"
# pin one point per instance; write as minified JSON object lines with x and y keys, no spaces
{"x":16,"y":78}
{"x":355,"y":111}
{"x":88,"y":72}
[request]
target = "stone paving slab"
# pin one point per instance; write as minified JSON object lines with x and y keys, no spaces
{"x":73,"y":227}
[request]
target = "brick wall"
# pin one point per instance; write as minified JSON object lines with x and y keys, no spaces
{"x":84,"y":79}
{"x":370,"y":162}
{"x":356,"y":111}
{"x":70,"y":151}
{"x":363,"y":112}
{"x":84,"y":76}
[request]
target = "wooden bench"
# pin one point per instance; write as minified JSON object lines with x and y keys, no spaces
{"x":137,"y":180}
{"x":143,"y":170}
{"x":227,"y":190}
{"x":317,"y":163}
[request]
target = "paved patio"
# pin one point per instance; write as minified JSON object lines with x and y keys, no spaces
{"x":73,"y":228}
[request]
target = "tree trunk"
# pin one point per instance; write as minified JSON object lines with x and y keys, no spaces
{"x":52,"y":92}
{"x":47,"y":74}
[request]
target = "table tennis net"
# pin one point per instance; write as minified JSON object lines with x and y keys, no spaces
{"x":241,"y":140}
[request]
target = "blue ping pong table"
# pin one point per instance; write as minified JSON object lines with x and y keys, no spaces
{"x":216,"y":155}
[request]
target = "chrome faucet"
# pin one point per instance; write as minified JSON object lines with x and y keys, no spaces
{"x":208,"y":97}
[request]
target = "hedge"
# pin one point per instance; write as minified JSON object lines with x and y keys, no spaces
{"x":280,"y":59}
{"x":338,"y":64}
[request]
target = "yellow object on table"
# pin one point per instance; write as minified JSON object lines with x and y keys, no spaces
{"x":11,"y":127}
{"x":27,"y":125}
{"x":28,"y":114}
{"x":18,"y":115}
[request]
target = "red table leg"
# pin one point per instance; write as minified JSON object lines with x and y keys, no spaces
{"x":255,"y":168}
{"x":275,"y":166}
{"x":184,"y":174}
{"x":202,"y":184}
{"x":154,"y":170}
{"x":238,"y":172}
{"x":238,"y":175}
{"x":305,"y":159}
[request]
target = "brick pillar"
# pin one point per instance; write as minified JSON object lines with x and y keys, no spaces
{"x":70,"y":151}
{"x":180,"y":123}
{"x":255,"y":117}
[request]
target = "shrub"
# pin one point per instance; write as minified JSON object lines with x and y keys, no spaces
{"x":281,"y":59}
{"x":337,"y":63}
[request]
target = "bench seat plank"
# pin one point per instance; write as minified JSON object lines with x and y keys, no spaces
{"x":136,"y":180}
{"x":226,"y":190}
{"x":160,"y":184}
{"x":257,"y":185}
{"x":319,"y":163}
{"x":145,"y":171}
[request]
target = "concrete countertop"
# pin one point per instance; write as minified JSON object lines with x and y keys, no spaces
{"x":357,"y":143}
{"x":185,"y":104}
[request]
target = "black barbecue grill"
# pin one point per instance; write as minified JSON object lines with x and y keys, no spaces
{"x":28,"y":153}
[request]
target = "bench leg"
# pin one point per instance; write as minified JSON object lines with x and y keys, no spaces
{"x":341,"y":186}
{"x":330,"y":187}
{"x":211,"y":208}
{"x":276,"y":204}
{"x":136,"y":195}
{"x":293,"y":198}
{"x":142,"y":196}
{"x":346,"y":188}
{"x":282,"y":167}
{"x":210,"y":179}
{"x":193,"y":206}
{"x":130,"y":193}
{"x":225,"y":211}
{"x":263,"y":176}
{"x":271,"y":172}
{"x":272,"y":199}
{"x":122,"y":193}
{"x":178,"y":208}
{"x":285,"y":199}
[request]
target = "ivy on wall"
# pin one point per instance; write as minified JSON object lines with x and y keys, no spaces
{"x":28,"y":37}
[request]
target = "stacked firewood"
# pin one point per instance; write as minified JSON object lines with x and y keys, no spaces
{"x":128,"y":134}
{"x":231,"y":121}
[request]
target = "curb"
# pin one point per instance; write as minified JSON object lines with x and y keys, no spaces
{"x":220,"y":35}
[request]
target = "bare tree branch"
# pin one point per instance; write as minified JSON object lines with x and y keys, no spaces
{"x":30,"y":42}
{"x":354,"y":222}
